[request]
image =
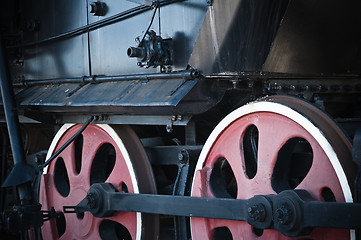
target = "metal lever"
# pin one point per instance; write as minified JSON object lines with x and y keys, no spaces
{"x":292,"y":212}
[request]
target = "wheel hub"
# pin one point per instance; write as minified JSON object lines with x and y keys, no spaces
{"x":267,"y":147}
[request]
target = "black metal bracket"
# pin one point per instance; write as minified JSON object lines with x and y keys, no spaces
{"x":25,"y":217}
{"x":152,"y":51}
{"x":292,"y":212}
{"x":187,"y":161}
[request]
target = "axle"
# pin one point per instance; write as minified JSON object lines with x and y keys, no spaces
{"x":292,"y":212}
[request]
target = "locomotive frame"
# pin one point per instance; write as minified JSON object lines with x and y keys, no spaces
{"x":246,"y":108}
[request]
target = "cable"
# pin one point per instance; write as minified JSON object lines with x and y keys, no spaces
{"x":150,"y":24}
{"x":93,"y":26}
{"x":85,"y":125}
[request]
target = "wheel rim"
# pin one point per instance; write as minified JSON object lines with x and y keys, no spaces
{"x":100,"y":154}
{"x":281,"y":130}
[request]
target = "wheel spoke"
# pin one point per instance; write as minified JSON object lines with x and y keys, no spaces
{"x":271,"y":147}
{"x":271,"y":140}
{"x":90,"y":146}
{"x":230,"y":150}
{"x":68,"y":155}
{"x":96,"y":156}
{"x":321,"y":165}
{"x":119,"y":177}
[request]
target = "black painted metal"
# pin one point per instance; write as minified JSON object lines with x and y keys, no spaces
{"x":293,"y":213}
{"x":24,"y":217}
{"x":21,"y":173}
{"x":139,"y":97}
{"x":356,"y":148}
{"x":313,"y":37}
{"x":93,"y":26}
{"x":317,"y":37}
{"x":356,"y":157}
{"x":168,"y":155}
{"x":181,"y":228}
{"x":98,"y":8}
{"x":332,"y":215}
{"x":4,"y":165}
{"x":102,"y":200}
{"x":187,"y":161}
{"x":28,"y":218}
{"x":152,"y":51}
{"x":237,"y":35}
{"x":187,"y":74}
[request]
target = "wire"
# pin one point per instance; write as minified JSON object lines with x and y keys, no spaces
{"x":85,"y":125}
{"x":93,"y":26}
{"x":88,"y":27}
{"x":150,"y":24}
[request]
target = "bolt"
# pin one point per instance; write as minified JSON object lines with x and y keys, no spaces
{"x":283,"y":215}
{"x":194,"y":73}
{"x":304,"y":88}
{"x":257,"y":213}
{"x":32,"y":25}
{"x":98,"y":8}
{"x":180,"y":156}
{"x":315,"y":88}
{"x":19,"y":62}
{"x":183,"y":156}
{"x":234,"y":83}
{"x":290,"y":87}
{"x":275,"y":87}
{"x":169,"y":128}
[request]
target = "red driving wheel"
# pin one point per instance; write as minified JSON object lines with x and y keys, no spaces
{"x":268,"y":146}
{"x":100,"y":154}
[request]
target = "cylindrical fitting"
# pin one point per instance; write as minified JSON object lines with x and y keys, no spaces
{"x":136,"y":52}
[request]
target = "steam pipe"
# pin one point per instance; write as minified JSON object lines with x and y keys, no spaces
{"x":187,"y":74}
{"x":20,"y":173}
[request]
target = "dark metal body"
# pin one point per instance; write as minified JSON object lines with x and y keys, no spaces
{"x":291,"y":212}
{"x":216,"y":38}
{"x":69,"y":60}
{"x":22,"y":174}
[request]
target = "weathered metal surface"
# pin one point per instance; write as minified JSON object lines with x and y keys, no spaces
{"x":107,"y":96}
{"x":318,"y":37}
{"x":63,"y":59}
{"x":237,"y":35}
{"x":108,"y":46}
{"x":104,"y":50}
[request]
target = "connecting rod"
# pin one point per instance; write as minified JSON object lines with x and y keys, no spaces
{"x":292,"y":212}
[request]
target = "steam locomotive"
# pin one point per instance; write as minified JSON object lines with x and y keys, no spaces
{"x":180,"y":119}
